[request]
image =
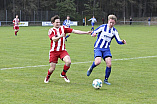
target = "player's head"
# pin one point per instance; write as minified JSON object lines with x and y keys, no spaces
{"x":55,"y":20}
{"x":16,"y":16}
{"x":93,"y":16}
{"x":68,"y":17}
{"x":112,"y":20}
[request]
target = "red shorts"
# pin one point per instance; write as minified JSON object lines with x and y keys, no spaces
{"x":16,"y":27}
{"x":54,"y":55}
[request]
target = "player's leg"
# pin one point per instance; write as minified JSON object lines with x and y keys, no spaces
{"x":50,"y":71}
{"x":97,"y":57}
{"x":94,"y":64}
{"x":67,"y":61}
{"x":15,"y":30}
{"x":108,"y":70}
{"x":92,"y":27}
{"x":67,"y":36}
{"x":18,"y":30}
{"x":53,"y":60}
{"x":107,"y":58}
{"x":66,"y":58}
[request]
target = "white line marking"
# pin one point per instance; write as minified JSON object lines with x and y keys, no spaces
{"x":79,"y":62}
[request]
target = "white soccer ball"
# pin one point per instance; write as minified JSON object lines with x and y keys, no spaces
{"x":97,"y":83}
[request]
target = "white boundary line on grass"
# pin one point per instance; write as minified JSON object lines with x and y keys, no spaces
{"x":79,"y":62}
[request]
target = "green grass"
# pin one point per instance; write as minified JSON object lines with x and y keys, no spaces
{"x":132,"y":81}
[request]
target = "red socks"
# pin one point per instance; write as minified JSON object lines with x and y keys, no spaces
{"x":49,"y":74}
{"x":16,"y":32}
{"x":65,"y":69}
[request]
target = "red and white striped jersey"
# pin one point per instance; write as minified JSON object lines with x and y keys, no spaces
{"x":60,"y":44}
{"x":16,"y":21}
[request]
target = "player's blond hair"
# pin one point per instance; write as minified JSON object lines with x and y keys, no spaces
{"x":112,"y":17}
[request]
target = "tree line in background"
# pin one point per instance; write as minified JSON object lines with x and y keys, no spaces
{"x":78,"y":9}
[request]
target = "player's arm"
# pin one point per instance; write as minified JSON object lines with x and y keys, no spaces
{"x":70,"y":30}
{"x":119,"y":41}
{"x":95,"y":20}
{"x":81,"y":32}
{"x":55,"y":38}
{"x":89,"y":20}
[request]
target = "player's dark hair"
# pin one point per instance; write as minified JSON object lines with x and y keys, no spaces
{"x":54,"y":18}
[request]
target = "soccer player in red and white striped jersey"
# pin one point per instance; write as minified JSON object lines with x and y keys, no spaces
{"x":57,"y":36}
{"x":16,"y":24}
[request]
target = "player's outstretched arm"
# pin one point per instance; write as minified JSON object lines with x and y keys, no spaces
{"x":81,"y":32}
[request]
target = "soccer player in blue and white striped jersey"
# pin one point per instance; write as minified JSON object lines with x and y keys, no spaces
{"x":105,"y":33}
{"x":67,"y":23}
{"x":93,"y":20}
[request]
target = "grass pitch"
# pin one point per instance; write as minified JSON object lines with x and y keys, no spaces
{"x":24,"y":65}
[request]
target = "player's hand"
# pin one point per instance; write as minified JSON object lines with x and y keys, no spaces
{"x":94,"y":35}
{"x":89,"y":32}
{"x":124,"y":41}
{"x":63,"y":35}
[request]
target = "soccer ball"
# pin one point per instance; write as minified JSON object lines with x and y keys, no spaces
{"x":97,"y":83}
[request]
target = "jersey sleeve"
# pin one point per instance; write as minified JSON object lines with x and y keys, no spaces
{"x":51,"y":33}
{"x":89,"y":20}
{"x":67,"y":30}
{"x":118,"y":38}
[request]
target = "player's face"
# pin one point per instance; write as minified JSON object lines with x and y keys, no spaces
{"x":111,"y":23}
{"x":16,"y":16}
{"x":56,"y":24}
{"x":68,"y":18}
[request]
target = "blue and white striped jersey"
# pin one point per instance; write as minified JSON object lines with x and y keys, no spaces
{"x":105,"y":35}
{"x":93,"y":20}
{"x":66,"y":23}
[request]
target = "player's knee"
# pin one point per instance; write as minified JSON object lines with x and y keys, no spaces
{"x":108,"y":65}
{"x":97,"y":62}
{"x":68,"y":62}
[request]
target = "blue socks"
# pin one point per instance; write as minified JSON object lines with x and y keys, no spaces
{"x":107,"y":73}
{"x":92,"y":28}
{"x":93,"y":65}
{"x":67,"y":36}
